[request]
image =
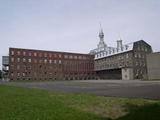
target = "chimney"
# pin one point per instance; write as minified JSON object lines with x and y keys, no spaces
{"x":119,"y":44}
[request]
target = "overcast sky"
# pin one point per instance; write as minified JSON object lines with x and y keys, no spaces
{"x":73,"y":25}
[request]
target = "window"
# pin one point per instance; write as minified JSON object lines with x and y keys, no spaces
{"x":35,"y":54}
{"x":140,"y":63}
{"x":40,"y":61}
{"x":24,"y":53}
{"x":29,"y":60}
{"x":144,"y":64}
{"x":18,"y":74}
{"x":29,"y":67}
{"x":30,"y":54}
{"x":70,"y":56}
{"x":106,"y":53}
{"x":126,"y":47}
{"x":40,"y":54}
{"x":18,"y":53}
{"x":45,"y":54}
{"x":55,"y":61}
{"x":24,"y":60}
{"x":50,"y":55}
{"x":146,"y":49}
{"x":12,"y":52}
{"x":50,"y":61}
{"x":12,"y":74}
{"x":35,"y":61}
{"x":23,"y":74}
{"x":12,"y":59}
{"x":135,"y":55}
{"x":18,"y":59}
{"x":12,"y":66}
{"x":75,"y":57}
{"x":45,"y":61}
{"x":127,"y":56}
{"x":18,"y":67}
{"x":65,"y":56}
{"x":60,"y":55}
{"x":60,"y":61}
{"x":80,"y":57}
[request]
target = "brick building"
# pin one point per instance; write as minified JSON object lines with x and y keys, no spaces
{"x":125,"y":61}
{"x":26,"y":64}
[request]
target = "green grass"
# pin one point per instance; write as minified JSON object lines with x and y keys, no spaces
{"x":32,"y":104}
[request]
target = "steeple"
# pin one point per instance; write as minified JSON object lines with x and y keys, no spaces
{"x":101,"y":34}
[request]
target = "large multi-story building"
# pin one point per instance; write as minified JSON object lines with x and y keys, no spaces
{"x":26,"y":64}
{"x":121,"y":62}
{"x":104,"y":62}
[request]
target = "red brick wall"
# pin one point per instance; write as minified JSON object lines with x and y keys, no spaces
{"x":25,"y":64}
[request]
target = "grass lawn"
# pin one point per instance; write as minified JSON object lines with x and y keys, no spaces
{"x":33,"y":104}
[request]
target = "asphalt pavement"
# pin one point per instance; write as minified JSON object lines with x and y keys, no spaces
{"x":112,"y":88}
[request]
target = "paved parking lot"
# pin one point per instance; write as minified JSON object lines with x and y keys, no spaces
{"x":116,"y":88}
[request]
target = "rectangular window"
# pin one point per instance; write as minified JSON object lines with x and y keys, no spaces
{"x":65,"y":56}
{"x":45,"y":61}
{"x":135,"y":55}
{"x":45,"y":54}
{"x":79,"y":57}
{"x":40,"y":54}
{"x":29,"y":60}
{"x":18,"y":74}
{"x":18,"y":53}
{"x":127,"y":56}
{"x":12,"y":52}
{"x":75,"y":57}
{"x":18,"y":67}
{"x":60,"y":55}
{"x":70,"y":56}
{"x":60,"y":61}
{"x":50,"y":61}
{"x":24,"y":60}
{"x":24,"y":53}
{"x":35,"y":54}
{"x":12,"y":74}
{"x":18,"y":59}
{"x":55,"y":61}
{"x":35,"y":61}
{"x":30,"y":54}
{"x":40,"y":61}
{"x":50,"y":55}
{"x":12,"y":59}
{"x":55,"y":55}
{"x":24,"y":74}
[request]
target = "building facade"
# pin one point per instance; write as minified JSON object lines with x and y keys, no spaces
{"x":26,"y":64}
{"x":153,"y":66}
{"x":122,"y":62}
{"x":125,"y":61}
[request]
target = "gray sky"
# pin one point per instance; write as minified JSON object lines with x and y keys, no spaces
{"x":73,"y":25}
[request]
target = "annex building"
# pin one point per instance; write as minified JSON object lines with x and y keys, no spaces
{"x":125,"y":61}
{"x":121,"y":62}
